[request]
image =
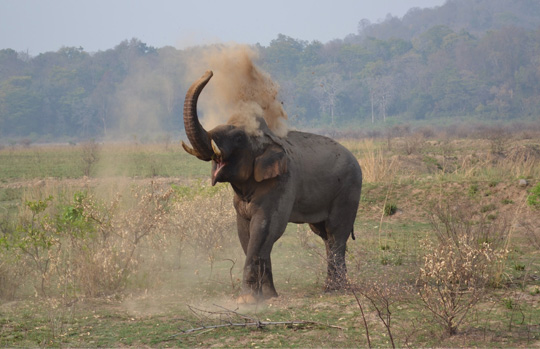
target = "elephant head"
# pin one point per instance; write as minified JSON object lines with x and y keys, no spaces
{"x":237,"y":155}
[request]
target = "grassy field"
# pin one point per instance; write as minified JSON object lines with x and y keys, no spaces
{"x":128,"y":245}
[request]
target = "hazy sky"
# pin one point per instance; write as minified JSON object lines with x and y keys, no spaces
{"x":46,"y":25}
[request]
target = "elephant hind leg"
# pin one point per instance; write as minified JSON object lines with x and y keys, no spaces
{"x":339,"y":227}
{"x":335,"y":242}
{"x":336,"y":278}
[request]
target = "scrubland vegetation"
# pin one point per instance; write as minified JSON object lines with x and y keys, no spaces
{"x":128,"y":244}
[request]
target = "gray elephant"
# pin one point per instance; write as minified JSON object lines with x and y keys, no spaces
{"x":300,"y":178}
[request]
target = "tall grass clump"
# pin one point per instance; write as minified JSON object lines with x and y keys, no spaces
{"x":520,"y":161}
{"x":376,"y":166}
{"x":462,"y":261}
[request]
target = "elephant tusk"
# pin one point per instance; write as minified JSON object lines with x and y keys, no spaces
{"x":215,"y":148}
{"x":189,"y":149}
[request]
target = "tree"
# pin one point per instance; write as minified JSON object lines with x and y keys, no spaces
{"x":327,"y":90}
{"x":283,"y":56}
{"x":18,"y":107}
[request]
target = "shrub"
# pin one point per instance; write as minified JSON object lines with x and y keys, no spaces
{"x":90,"y":152}
{"x":205,"y":217}
{"x":390,"y":209}
{"x":473,"y":189}
{"x":459,"y":265}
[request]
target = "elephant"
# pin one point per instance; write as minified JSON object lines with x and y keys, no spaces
{"x":299,"y":178}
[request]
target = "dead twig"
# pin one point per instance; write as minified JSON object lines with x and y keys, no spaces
{"x":249,"y":322}
{"x":363,"y":317}
{"x":257,"y":324}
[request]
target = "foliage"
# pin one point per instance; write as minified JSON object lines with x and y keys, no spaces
{"x":534,"y":197}
{"x":390,"y":209}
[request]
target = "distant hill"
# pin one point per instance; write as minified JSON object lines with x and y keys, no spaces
{"x":473,"y":16}
{"x":465,"y":60}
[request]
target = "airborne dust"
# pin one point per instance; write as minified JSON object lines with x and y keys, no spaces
{"x":239,"y":91}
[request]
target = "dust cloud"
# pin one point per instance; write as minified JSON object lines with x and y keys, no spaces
{"x":239,"y":91}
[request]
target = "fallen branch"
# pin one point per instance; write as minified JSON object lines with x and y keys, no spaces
{"x":257,"y":324}
{"x":249,"y":322}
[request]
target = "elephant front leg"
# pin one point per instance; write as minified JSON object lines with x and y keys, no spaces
{"x":258,"y":282}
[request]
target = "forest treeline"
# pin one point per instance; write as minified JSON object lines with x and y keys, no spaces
{"x":424,"y":66}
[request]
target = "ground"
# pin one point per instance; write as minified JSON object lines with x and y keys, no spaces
{"x":186,"y":296}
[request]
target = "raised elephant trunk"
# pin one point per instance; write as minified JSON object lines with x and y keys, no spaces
{"x":197,"y":135}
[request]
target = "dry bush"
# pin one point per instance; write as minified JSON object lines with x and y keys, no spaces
{"x":458,"y":266}
{"x":112,"y":236}
{"x":395,"y":132}
{"x":426,"y":131}
{"x":413,"y":142}
{"x":207,"y":221}
{"x":97,"y":242}
{"x":458,"y":131}
{"x":498,"y":137}
{"x":90,"y":152}
{"x":376,"y":167}
{"x":381,"y":297}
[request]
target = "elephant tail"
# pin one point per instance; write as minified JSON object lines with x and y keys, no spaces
{"x":352,"y":234}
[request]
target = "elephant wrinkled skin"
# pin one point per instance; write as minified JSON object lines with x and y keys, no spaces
{"x":300,"y":178}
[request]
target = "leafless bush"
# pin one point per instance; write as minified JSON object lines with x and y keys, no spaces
{"x":396,"y":131}
{"x":98,"y":244}
{"x":458,"y":131}
{"x":381,"y":297}
{"x":498,"y":137}
{"x":89,"y":156}
{"x":462,"y":261}
{"x":426,"y":131}
{"x":102,"y":262}
{"x":413,"y":142}
{"x":206,"y":221}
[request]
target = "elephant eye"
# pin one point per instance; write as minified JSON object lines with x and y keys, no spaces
{"x":238,"y":139}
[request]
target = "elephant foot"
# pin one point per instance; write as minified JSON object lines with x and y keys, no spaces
{"x":257,"y":297}
{"x":247,"y":299}
{"x":269,"y":291}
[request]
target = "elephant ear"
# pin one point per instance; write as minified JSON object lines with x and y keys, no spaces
{"x":270,"y":164}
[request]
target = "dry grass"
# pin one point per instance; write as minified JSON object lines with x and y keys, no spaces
{"x":377,"y":167}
